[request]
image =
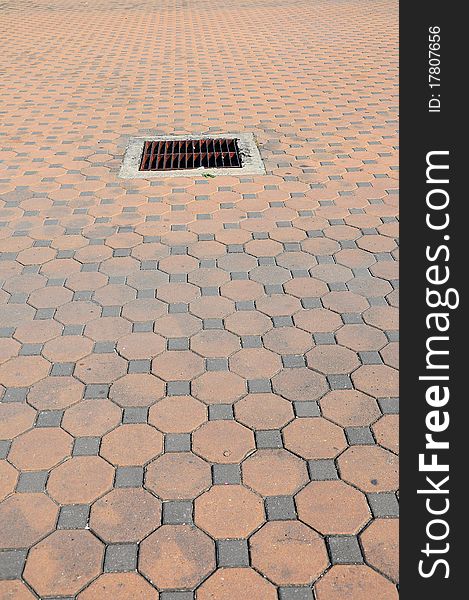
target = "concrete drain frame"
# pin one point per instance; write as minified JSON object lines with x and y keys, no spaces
{"x":251,"y":161}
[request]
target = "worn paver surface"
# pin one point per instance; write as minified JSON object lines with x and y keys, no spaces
{"x":198,"y":375}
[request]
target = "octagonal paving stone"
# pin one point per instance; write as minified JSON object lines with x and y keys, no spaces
{"x":306,"y":287}
{"x":289,"y":552}
{"x":64,"y":562}
{"x":349,"y":408}
{"x":382,"y":317}
{"x":379,"y":381}
{"x":50,"y":297}
{"x":125,"y":515}
{"x":67,"y":348}
{"x":177,"y":414}
{"x":114,"y":295}
{"x":26,"y":518}
{"x":314,"y":438}
{"x":177,"y":365}
{"x":144,"y":309}
{"x":80,"y":480}
{"x":219,"y":387}
{"x":178,"y":476}
{"x":291,"y":472}
{"x":288,"y":340}
{"x":242,"y":289}
{"x":108,"y":329}
{"x":132,"y":444}
{"x":137,"y":389}
{"x":93,"y":417}
{"x":38,"y":332}
{"x":229,"y":511}
{"x":248,"y":322}
{"x":278,"y":305}
{"x":332,"y":359}
{"x":213,"y":307}
{"x":370,"y":468}
{"x":361,"y":337}
{"x":40,"y":449}
{"x":55,"y":393}
{"x":77,"y":313}
{"x":212,"y":343}
{"x":177,"y":557}
{"x":344,"y":301}
{"x":300,"y":384}
{"x":255,"y":363}
{"x":332,"y":507}
{"x":263,"y":411}
{"x":317,"y":320}
{"x":223,"y":441}
{"x":141,"y":346}
{"x":100,"y":368}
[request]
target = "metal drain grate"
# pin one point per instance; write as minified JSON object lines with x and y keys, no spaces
{"x":174,"y":155}
{"x":150,"y":157}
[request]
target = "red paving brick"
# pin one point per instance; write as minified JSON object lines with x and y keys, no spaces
{"x":177,"y":556}
{"x":289,"y":553}
{"x":193,"y":360}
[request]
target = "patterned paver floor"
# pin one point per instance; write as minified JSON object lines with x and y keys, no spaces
{"x":198,"y":376}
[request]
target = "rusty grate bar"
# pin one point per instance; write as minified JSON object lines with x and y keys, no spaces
{"x":175,"y":155}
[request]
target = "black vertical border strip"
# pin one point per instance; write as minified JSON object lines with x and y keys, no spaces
{"x":422,"y":132}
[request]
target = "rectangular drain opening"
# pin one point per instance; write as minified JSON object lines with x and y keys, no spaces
{"x":191,"y":155}
{"x":172,"y":155}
